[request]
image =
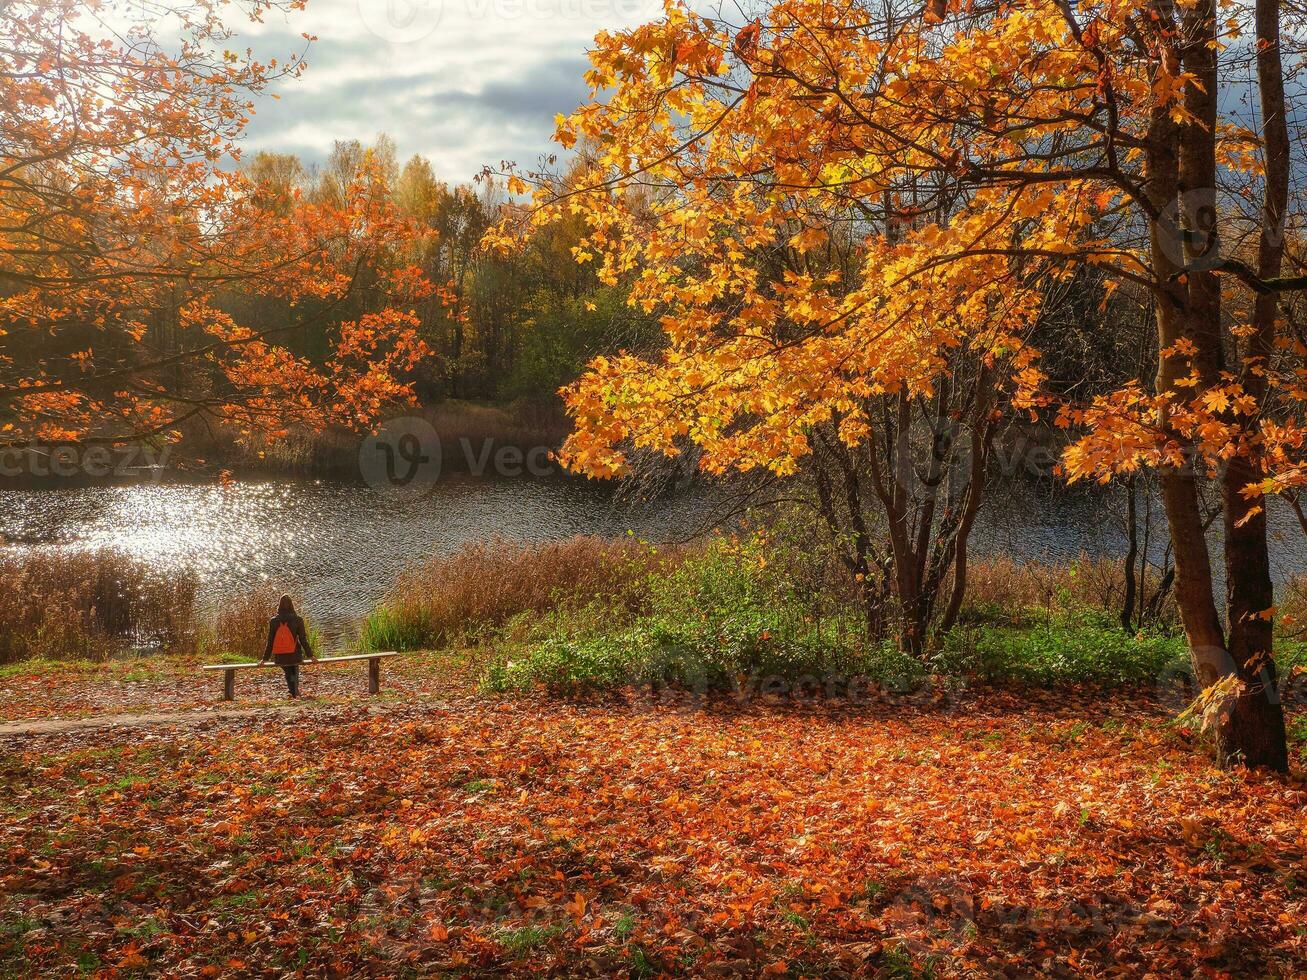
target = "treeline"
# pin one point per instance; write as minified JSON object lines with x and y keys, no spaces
{"x":498,"y":327}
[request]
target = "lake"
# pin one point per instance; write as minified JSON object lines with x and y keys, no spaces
{"x":341,"y":545}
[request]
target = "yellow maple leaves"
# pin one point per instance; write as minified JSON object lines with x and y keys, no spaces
{"x":821,"y":210}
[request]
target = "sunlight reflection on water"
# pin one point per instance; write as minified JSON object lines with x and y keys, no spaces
{"x":339,"y":546}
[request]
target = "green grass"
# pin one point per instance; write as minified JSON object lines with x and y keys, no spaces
{"x":520,"y":941}
{"x":1062,"y":648}
{"x":386,"y":629}
{"x":713,"y":623}
{"x":43,"y":665}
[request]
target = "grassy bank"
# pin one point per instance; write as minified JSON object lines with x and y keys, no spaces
{"x":588,"y":615}
{"x":467,"y":433}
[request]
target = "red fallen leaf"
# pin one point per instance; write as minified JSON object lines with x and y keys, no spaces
{"x":775,"y":968}
{"x":438,"y":933}
{"x":576,"y":907}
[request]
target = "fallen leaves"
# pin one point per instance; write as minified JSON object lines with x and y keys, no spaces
{"x":613,"y":839}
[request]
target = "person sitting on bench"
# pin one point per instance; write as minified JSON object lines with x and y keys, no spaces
{"x":288,"y":643}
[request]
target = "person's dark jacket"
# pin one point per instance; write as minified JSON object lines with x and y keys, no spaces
{"x":302,"y":647}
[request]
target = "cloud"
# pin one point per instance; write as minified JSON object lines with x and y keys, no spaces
{"x":478,"y":82}
{"x":549,"y":88}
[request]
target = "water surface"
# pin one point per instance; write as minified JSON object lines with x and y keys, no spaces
{"x":341,"y":545}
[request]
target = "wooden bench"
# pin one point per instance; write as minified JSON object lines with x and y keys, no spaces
{"x":373,"y":659}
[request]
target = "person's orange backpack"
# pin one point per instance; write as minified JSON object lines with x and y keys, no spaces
{"x":283,"y":641}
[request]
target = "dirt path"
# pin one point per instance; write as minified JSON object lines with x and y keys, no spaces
{"x":54,"y":726}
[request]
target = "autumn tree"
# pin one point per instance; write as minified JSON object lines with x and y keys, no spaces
{"x":985,"y":149}
{"x":124,"y":219}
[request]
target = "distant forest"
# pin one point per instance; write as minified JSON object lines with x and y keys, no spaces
{"x":505,"y":327}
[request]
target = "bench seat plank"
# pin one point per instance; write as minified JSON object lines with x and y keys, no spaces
{"x":373,"y":659}
{"x":320,"y":660}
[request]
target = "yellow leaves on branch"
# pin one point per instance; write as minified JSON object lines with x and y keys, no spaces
{"x":821,"y":213}
{"x":747,"y":394}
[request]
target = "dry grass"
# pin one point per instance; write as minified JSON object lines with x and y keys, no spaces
{"x":1006,"y":584}
{"x":91,"y":606}
{"x":241,"y":625}
{"x":102,"y":604}
{"x":486,"y":584}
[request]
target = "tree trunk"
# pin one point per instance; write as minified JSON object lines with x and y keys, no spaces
{"x":1256,"y":733}
{"x":1183,"y":159}
{"x":1179,"y":488}
{"x":1131,"y":556}
{"x":1178,"y":483}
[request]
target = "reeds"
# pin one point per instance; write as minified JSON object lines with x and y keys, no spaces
{"x":484,"y":585}
{"x":91,"y":605}
{"x":1006,"y":585}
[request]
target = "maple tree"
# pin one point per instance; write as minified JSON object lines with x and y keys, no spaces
{"x":125,"y":224}
{"x":970,"y":152}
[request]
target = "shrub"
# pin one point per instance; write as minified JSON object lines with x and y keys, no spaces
{"x":726,"y":617}
{"x":714,"y":622}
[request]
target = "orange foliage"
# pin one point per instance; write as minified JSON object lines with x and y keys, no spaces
{"x":123,"y":218}
{"x":962,"y":157}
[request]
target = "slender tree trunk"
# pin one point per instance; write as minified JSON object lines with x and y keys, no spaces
{"x":982,"y":435}
{"x":1178,"y":483}
{"x":1256,"y":726}
{"x":1131,"y":556}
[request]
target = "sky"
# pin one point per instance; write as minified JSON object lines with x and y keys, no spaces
{"x":465,"y":83}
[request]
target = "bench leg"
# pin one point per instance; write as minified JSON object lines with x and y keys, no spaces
{"x":374,"y":675}
{"x":228,"y":685}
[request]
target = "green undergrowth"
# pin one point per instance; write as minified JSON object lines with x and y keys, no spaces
{"x":1083,"y":646}
{"x":723,"y":619}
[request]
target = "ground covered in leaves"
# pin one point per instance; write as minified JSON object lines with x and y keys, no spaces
{"x":989,"y":833}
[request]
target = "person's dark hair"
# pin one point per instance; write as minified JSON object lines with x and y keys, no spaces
{"x":285,"y":607}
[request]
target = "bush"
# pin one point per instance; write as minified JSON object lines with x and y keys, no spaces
{"x":726,"y":617}
{"x":714,"y":622}
{"x":91,"y":605}
{"x":1065,"y":648}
